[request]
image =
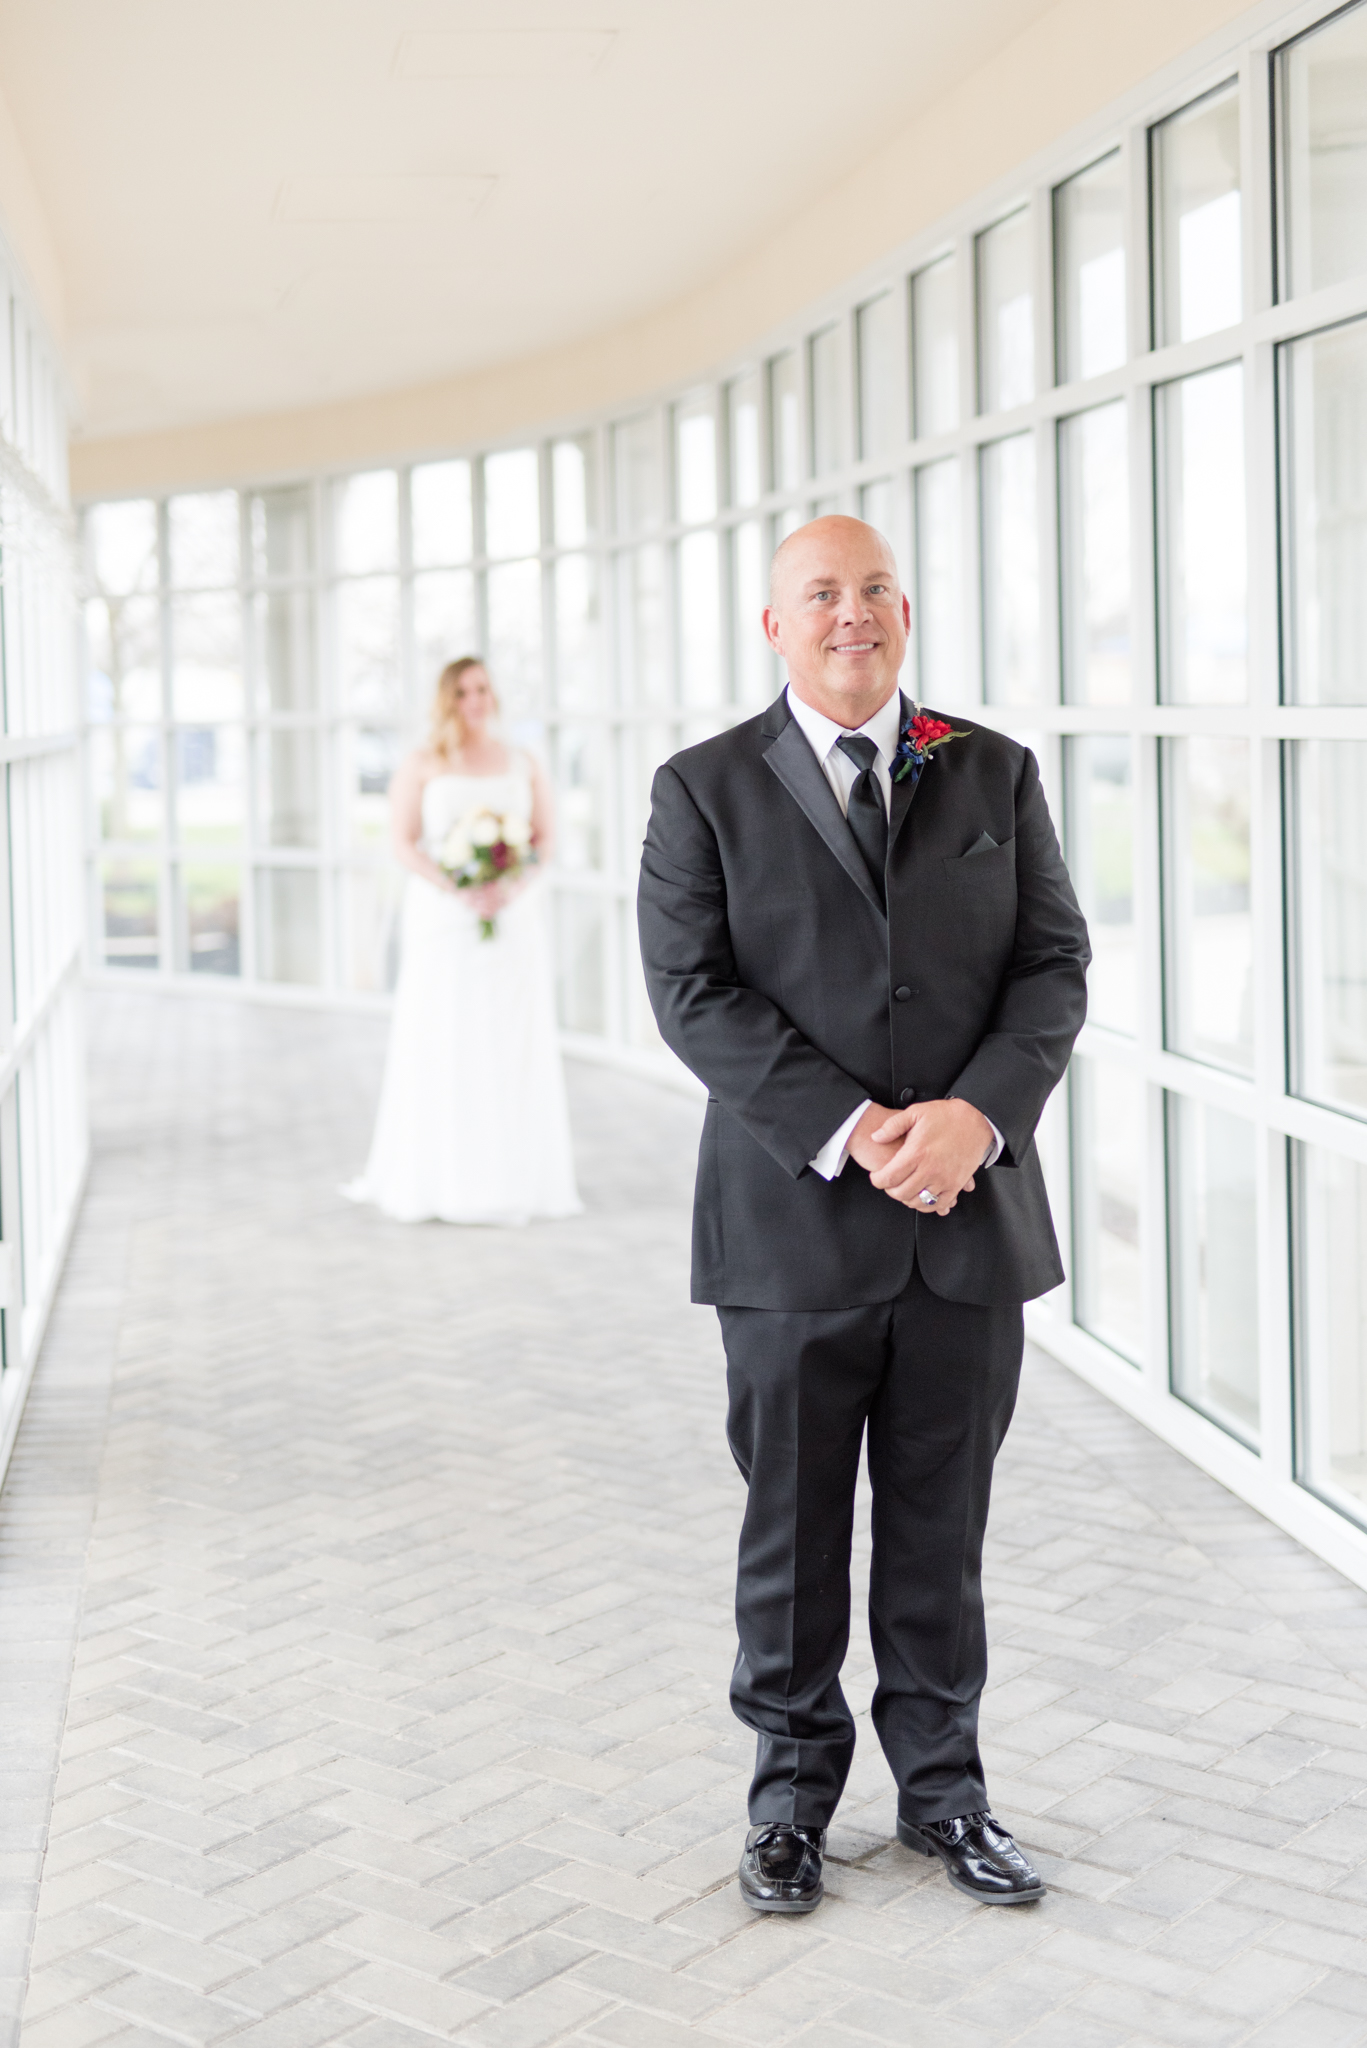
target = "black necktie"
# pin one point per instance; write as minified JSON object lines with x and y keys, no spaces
{"x":867,"y":819}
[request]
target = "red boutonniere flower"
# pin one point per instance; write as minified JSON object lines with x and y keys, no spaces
{"x":920,"y":737}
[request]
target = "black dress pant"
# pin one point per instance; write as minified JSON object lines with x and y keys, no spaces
{"x":935,"y":1381}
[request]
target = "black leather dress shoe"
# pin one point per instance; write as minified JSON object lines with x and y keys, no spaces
{"x":780,"y":1871}
{"x":979,"y":1855}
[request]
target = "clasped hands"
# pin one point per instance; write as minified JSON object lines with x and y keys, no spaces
{"x":934,"y":1147}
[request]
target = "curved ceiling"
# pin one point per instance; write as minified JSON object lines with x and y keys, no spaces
{"x":282,"y":203}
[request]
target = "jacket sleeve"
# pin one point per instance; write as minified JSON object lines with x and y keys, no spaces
{"x":1042,"y":1000}
{"x":789,"y":1096}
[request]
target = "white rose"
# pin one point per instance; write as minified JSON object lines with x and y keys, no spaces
{"x":517,"y":832}
{"x":455,"y":848}
{"x":485,"y":830}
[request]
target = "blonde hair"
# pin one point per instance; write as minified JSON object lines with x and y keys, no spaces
{"x":448,"y":733}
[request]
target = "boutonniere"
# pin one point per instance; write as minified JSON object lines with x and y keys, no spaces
{"x":919,"y":738}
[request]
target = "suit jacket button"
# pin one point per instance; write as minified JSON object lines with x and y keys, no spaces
{"x":902,"y":994}
{"x":907,"y":1095}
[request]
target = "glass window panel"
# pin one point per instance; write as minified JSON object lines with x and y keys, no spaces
{"x":122,"y":539}
{"x":372,"y":901}
{"x":753,"y":664}
{"x":1203,"y":617}
{"x":206,"y":658}
{"x":125,"y":768}
{"x":512,"y":503}
{"x":695,"y":459}
{"x":202,"y":539}
{"x":785,"y":421}
{"x":515,"y":638}
{"x":572,"y":491}
{"x":1107,"y":1103}
{"x":443,"y":519}
{"x":881,"y":380}
{"x":444,"y":623}
{"x":580,"y":786}
{"x":1010,"y":529}
{"x":1198,"y":232}
{"x":1324,"y":414}
{"x":1212,"y":1253}
{"x":1094,"y":506}
{"x":1330,"y":922}
{"x":935,"y":347}
{"x":289,"y":926}
{"x":742,"y":434}
{"x":641,"y":595}
{"x":636,"y":473}
{"x":282,"y":650}
{"x":1208,"y":927}
{"x":1331,"y":1328}
{"x":1322,"y":97}
{"x":823,"y":367}
{"x":369,"y":756}
{"x":209,"y":772}
{"x":939,"y":585}
{"x":581,"y":962}
{"x":788,"y":521}
{"x":208,"y":918}
{"x":123,"y":635}
{"x":288,"y":787}
{"x":130,"y":894}
{"x":1099,"y":778}
{"x":366,"y":514}
{"x":1006,"y":314}
{"x":280,"y":526}
{"x":368,"y":647}
{"x":580,"y":678}
{"x":700,"y":620}
{"x":877,"y":505}
{"x":1089,"y":254}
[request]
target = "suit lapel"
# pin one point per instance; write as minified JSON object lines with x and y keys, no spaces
{"x":797,"y":768}
{"x":902,"y":792}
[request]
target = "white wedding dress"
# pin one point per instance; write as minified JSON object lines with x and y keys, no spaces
{"x":472,"y":1125}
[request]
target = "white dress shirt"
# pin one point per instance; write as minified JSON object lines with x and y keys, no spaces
{"x":822,"y":735}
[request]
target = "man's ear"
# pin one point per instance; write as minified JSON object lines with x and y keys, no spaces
{"x":772,"y":631}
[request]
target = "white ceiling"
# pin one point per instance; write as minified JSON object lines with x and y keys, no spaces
{"x":277,"y":203}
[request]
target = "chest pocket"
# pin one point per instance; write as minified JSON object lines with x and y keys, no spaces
{"x":980,"y":893}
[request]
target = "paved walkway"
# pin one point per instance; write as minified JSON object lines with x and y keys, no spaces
{"x":372,"y":1586}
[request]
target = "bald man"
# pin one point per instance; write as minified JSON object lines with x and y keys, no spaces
{"x":859,"y":933}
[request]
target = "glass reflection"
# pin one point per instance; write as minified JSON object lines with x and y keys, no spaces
{"x":823,"y":366}
{"x":125,"y":770}
{"x":282,"y":650}
{"x":1212,"y":1252}
{"x":1322,"y":93}
{"x":288,"y":935}
{"x":1089,"y":239}
{"x":935,"y":347}
{"x":1107,"y":1103}
{"x":580,"y":684}
{"x":641,"y":612}
{"x":1006,"y":315}
{"x":1203,"y":614}
{"x":700,"y":620}
{"x":131,"y":894}
{"x":288,"y":787}
{"x":514,"y":595}
{"x":753,"y":666}
{"x":202,"y":540}
{"x":280,"y":531}
{"x":1330,"y":785}
{"x":742,"y":435}
{"x":636,"y":473}
{"x":581,"y":765}
{"x":1208,"y":927}
{"x":1324,"y":424}
{"x":1331,"y":1328}
{"x":1099,"y":779}
{"x":443,"y":521}
{"x":572,"y":490}
{"x":1198,"y":229}
{"x":210,"y":765}
{"x":512,"y":503}
{"x":695,"y":460}
{"x":208,"y":919}
{"x":368,"y":645}
{"x":1010,"y":543}
{"x":879,"y":365}
{"x":369,"y":756}
{"x":785,"y":424}
{"x":1094,"y":513}
{"x":206,"y":656}
{"x":939,"y":588}
{"x":123,"y":639}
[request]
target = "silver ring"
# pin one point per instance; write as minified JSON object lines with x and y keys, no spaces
{"x":926,"y":1196}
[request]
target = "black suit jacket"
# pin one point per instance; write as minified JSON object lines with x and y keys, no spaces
{"x":777,"y":978}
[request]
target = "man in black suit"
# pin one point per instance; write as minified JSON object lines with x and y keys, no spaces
{"x":859,"y":932}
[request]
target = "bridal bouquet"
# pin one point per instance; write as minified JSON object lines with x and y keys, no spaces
{"x":486,"y":847}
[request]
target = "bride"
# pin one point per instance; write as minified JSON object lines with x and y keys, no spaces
{"x":472,"y":1125}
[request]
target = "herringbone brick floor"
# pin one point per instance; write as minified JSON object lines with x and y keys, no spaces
{"x":365,"y":1595}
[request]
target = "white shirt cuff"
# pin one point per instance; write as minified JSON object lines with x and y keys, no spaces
{"x":998,"y":1145}
{"x":830,"y":1160}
